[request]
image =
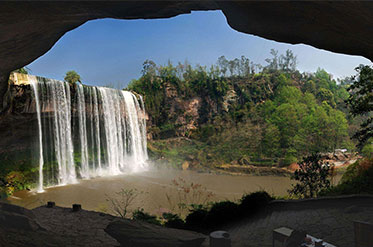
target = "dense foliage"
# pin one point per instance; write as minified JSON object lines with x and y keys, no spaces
{"x":268,"y":114}
{"x":205,"y":218}
{"x":361,"y":103}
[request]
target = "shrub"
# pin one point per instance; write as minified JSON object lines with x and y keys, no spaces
{"x":196,"y":219}
{"x":15,"y":181}
{"x":188,"y":195}
{"x":123,"y":200}
{"x":351,"y":172}
{"x":139,"y":214}
{"x":367,"y":150}
{"x":173,"y":221}
{"x":290,"y":158}
{"x":253,"y":202}
{"x":220,"y":213}
{"x":167,"y":130}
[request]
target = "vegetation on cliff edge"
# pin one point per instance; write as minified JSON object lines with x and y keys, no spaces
{"x":236,"y":110}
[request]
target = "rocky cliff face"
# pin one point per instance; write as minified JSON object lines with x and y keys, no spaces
{"x":18,"y":120}
{"x":186,"y":114}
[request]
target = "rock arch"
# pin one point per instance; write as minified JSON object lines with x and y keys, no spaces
{"x":29,"y":29}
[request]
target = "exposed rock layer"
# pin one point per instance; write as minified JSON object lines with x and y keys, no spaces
{"x":30,"y":29}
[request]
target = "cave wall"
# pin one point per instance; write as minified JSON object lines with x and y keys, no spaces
{"x":29,"y":29}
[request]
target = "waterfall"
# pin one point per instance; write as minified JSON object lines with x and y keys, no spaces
{"x":96,"y":119}
{"x":136,"y":123}
{"x":88,"y":131}
{"x":61,"y":98}
{"x":34,"y":86}
{"x":83,"y":132}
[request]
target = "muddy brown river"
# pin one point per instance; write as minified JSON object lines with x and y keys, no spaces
{"x":155,"y":189}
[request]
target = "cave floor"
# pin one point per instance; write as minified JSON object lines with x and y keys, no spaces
{"x":330,"y":219}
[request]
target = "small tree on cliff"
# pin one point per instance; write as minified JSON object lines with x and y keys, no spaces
{"x":312,"y":176}
{"x":72,"y":77}
{"x":23,"y":70}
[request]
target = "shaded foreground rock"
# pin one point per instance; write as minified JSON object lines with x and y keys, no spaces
{"x":142,"y":234}
{"x":59,"y":226}
{"x":20,"y":227}
{"x":17,"y":217}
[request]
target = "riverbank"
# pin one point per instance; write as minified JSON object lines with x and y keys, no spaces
{"x":188,"y":154}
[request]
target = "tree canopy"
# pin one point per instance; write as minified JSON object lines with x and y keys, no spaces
{"x":72,"y":77}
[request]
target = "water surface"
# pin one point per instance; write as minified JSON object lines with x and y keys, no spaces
{"x":155,"y":186}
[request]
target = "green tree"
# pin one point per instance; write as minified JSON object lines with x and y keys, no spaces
{"x":338,"y":130}
{"x":360,"y":102}
{"x":286,"y":119}
{"x":326,"y":95}
{"x":288,"y":94}
{"x":272,"y":62}
{"x":223,"y":64}
{"x":149,"y":68}
{"x":271,"y":140}
{"x":310,"y":87}
{"x":288,"y":62}
{"x":367,"y":150}
{"x":312,"y":176}
{"x":72,"y":77}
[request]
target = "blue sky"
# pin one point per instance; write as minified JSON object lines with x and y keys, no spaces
{"x":112,"y":51}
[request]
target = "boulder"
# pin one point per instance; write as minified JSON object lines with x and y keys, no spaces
{"x":141,"y":234}
{"x":16,"y":217}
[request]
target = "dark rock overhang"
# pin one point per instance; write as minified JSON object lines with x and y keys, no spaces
{"x":29,"y":29}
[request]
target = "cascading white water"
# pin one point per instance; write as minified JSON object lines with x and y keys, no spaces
{"x":84,"y":170}
{"x":34,"y":86}
{"x":61,"y":98}
{"x":96,"y":119}
{"x":136,"y":121}
{"x":109,"y":136}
